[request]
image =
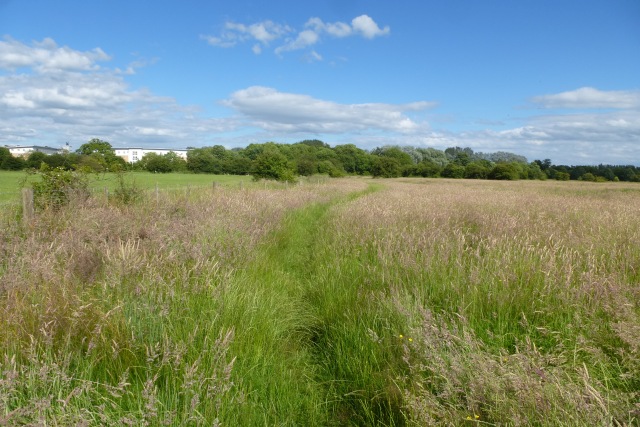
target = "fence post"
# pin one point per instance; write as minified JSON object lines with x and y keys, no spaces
{"x":215,"y":184}
{"x":106,"y":193}
{"x":27,"y":205}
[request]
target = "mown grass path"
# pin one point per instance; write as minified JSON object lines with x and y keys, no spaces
{"x":292,"y":350}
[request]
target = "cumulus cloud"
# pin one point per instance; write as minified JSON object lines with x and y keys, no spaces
{"x":314,"y":29}
{"x":53,"y":94}
{"x":588,"y":98}
{"x":273,"y":110}
{"x":263,"y":32}
{"x":47,"y":56}
{"x":367,"y":27}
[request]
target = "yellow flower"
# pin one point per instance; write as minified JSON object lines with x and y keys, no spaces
{"x":401,"y":336}
{"x":410,"y":339}
{"x":468,"y":417}
{"x":476,"y":416}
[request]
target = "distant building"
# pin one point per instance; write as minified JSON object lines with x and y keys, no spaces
{"x":25,"y":150}
{"x":132,"y":155}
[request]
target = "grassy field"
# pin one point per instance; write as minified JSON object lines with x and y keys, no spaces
{"x":11,"y":182}
{"x":347,"y":302}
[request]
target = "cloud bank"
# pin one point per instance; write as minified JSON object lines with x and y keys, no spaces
{"x":272,"y":110}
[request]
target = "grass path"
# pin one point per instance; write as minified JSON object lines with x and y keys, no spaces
{"x":286,"y":338}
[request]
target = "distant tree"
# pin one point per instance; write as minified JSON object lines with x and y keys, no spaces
{"x":314,"y":143}
{"x":433,"y":155}
{"x":4,"y":154}
{"x":95,"y":145}
{"x":428,"y":169}
{"x":543,"y":164}
{"x":535,"y":172}
{"x":353,"y":159}
{"x":36,"y":159}
{"x":306,"y":167}
{"x":102,"y":154}
{"x":394,"y":152}
{"x":453,"y":170}
{"x":178,"y":164}
{"x":12,"y":163}
{"x":588,"y":177}
{"x":272,"y":164}
{"x":505,"y":171}
{"x":477,"y":170}
{"x":154,"y":162}
{"x":386,"y":167}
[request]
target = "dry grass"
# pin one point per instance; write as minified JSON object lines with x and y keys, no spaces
{"x":431,"y":302}
{"x":109,"y":313}
{"x":521,"y":298}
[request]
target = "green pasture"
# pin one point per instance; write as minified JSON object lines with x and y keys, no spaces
{"x":11,"y":182}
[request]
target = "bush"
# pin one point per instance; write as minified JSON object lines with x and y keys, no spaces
{"x":453,"y":170}
{"x":505,"y":171}
{"x":271,"y":164}
{"x":127,"y":193}
{"x":386,"y":167}
{"x":57,"y":186}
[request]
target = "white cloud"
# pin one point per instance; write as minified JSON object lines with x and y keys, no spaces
{"x":263,"y":32}
{"x":80,"y":101}
{"x":272,"y":110}
{"x":47,"y":56}
{"x":267,"y":31}
{"x":588,"y":97}
{"x":368,"y":27}
{"x":305,"y":38}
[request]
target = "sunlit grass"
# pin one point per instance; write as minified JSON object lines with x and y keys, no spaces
{"x":333,"y":302}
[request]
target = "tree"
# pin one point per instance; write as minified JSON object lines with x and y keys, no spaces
{"x":504,"y":171}
{"x":12,"y":163}
{"x":386,"y":167}
{"x":272,"y":164}
{"x":102,"y":154}
{"x":95,"y":146}
{"x":453,"y":170}
{"x":36,"y":159}
{"x":428,"y":169}
{"x":154,"y":162}
{"x":477,"y":170}
{"x":353,"y":159}
{"x":4,"y":154}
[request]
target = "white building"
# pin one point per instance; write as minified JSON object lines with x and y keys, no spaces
{"x":132,"y":155}
{"x":25,"y":150}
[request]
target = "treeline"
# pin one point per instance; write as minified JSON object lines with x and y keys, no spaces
{"x":285,"y":162}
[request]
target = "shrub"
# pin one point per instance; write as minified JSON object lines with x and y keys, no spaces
{"x":453,"y":170}
{"x":385,"y":167}
{"x":504,"y":171}
{"x":57,"y":186}
{"x":127,"y":193}
{"x":271,"y":164}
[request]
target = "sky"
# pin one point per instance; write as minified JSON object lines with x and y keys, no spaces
{"x":556,"y":79}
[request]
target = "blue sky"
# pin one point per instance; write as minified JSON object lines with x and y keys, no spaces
{"x":545,"y":79}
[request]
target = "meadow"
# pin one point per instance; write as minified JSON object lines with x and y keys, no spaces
{"x":11,"y":182}
{"x":341,"y":302}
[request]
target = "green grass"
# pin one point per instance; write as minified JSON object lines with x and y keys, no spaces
{"x":343,"y":303}
{"x":11,"y":182}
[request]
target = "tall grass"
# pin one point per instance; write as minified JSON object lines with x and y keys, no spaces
{"x":519,"y":302}
{"x":405,"y":302}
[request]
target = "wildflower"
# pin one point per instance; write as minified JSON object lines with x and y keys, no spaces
{"x":401,"y":336}
{"x":410,"y":339}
